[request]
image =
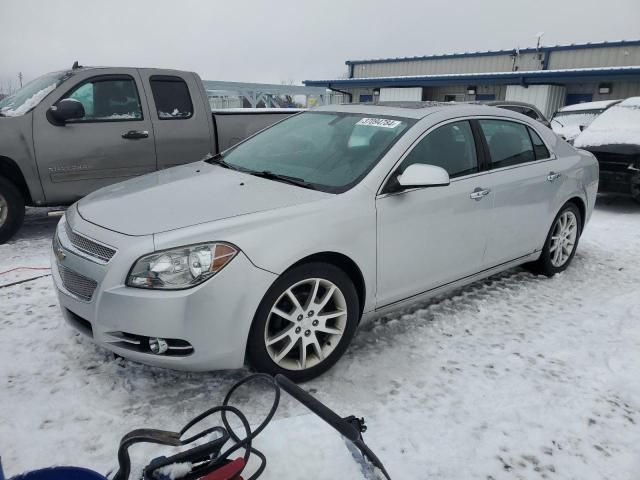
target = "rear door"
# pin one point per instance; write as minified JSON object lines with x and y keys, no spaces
{"x":180,"y":115}
{"x":113,"y":142}
{"x":524,"y":181}
{"x":428,"y":237}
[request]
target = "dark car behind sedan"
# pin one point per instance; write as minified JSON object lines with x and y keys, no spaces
{"x":614,"y":138}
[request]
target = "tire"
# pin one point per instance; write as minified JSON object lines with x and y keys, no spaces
{"x":304,"y":326}
{"x":550,"y":261}
{"x":11,"y":210}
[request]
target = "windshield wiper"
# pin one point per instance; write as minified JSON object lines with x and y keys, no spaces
{"x":217,"y":159}
{"x":558,"y":122}
{"x":300,"y":182}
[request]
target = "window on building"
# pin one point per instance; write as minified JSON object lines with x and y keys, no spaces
{"x":171,"y":96}
{"x":108,"y":99}
{"x":451,"y":147}
{"x":509,"y":142}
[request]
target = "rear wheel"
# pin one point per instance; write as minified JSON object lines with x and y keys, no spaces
{"x":304,"y":323}
{"x":562,"y":241}
{"x":11,"y":210}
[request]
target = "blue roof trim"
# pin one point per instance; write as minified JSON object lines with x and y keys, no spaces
{"x":490,"y":53}
{"x":496,"y":78}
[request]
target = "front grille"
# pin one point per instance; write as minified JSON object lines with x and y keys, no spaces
{"x":77,"y":284}
{"x":88,"y":246}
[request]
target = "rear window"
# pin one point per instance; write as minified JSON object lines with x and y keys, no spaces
{"x":172,"y":99}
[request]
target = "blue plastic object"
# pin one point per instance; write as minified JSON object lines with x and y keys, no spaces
{"x":60,"y":473}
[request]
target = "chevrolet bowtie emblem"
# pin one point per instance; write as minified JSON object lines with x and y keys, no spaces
{"x":60,"y":255}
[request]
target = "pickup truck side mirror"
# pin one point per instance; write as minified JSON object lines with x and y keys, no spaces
{"x":65,"y":110}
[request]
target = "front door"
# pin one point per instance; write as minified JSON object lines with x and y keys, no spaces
{"x":114,"y":141}
{"x":428,"y":237}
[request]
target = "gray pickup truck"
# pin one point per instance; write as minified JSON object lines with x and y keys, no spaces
{"x":71,"y":132}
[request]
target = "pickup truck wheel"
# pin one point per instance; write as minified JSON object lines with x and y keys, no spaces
{"x":304,"y":323}
{"x":561,"y":243}
{"x":11,"y":210}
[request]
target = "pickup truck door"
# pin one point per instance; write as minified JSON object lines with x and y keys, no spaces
{"x":114,"y":141}
{"x":180,"y":114}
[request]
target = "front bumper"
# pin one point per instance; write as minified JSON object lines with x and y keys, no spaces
{"x":207,"y":326}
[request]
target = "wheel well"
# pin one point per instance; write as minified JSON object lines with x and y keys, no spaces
{"x":345,"y":264}
{"x":10,"y":170}
{"x":577,"y":201}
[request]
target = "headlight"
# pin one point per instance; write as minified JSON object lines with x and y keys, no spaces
{"x":182,"y":267}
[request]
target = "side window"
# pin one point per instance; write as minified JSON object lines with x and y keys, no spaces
{"x":171,"y":96}
{"x":451,"y":147}
{"x":539,"y":147}
{"x":509,"y":142}
{"x":108,"y":99}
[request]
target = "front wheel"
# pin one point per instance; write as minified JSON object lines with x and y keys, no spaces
{"x":562,"y":241}
{"x":11,"y":210}
{"x":304,"y":323}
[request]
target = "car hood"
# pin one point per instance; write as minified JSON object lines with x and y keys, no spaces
{"x":185,"y":196}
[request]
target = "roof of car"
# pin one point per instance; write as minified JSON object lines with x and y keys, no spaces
{"x":415,"y":110}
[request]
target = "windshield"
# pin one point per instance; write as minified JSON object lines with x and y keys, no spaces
{"x":331,"y":151}
{"x":29,"y":96}
{"x":584,"y":117}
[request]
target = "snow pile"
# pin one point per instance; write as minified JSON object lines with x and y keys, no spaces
{"x":619,"y":125}
{"x":514,"y":377}
{"x":30,"y":103}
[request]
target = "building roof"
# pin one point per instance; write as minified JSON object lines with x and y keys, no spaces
{"x":522,"y":77}
{"x":551,"y":48}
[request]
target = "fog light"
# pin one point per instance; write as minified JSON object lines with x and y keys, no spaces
{"x":158,"y":345}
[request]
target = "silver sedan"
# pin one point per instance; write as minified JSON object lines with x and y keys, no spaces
{"x":274,"y":251}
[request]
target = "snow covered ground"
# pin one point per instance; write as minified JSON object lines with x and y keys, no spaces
{"x":516,"y":377}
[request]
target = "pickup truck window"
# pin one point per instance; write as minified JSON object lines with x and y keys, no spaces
{"x":108,"y":99}
{"x":29,"y":96}
{"x":171,"y":96}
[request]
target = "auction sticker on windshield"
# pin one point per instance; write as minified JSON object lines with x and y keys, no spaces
{"x":379,"y":122}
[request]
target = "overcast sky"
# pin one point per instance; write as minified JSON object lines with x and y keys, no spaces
{"x":274,"y":41}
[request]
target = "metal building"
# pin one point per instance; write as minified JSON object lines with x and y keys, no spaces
{"x":548,"y":76}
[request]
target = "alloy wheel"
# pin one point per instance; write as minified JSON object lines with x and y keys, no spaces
{"x":305,"y":324}
{"x":563,"y":238}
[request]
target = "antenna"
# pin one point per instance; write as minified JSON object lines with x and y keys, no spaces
{"x":539,"y":36}
{"x":75,"y":65}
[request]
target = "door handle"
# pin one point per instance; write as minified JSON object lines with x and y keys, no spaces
{"x":479,"y":193}
{"x":135,"y":134}
{"x":552,"y":176}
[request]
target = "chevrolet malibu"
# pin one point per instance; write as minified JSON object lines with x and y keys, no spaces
{"x":274,"y":251}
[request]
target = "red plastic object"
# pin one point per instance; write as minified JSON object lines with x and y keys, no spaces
{"x":229,"y":471}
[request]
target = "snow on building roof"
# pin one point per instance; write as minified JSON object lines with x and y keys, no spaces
{"x":519,"y":74}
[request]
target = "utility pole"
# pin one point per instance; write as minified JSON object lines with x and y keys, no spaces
{"x":20,"y":77}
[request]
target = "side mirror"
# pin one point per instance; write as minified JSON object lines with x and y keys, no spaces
{"x":582,"y":127}
{"x":65,"y":110}
{"x":421,"y":175}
